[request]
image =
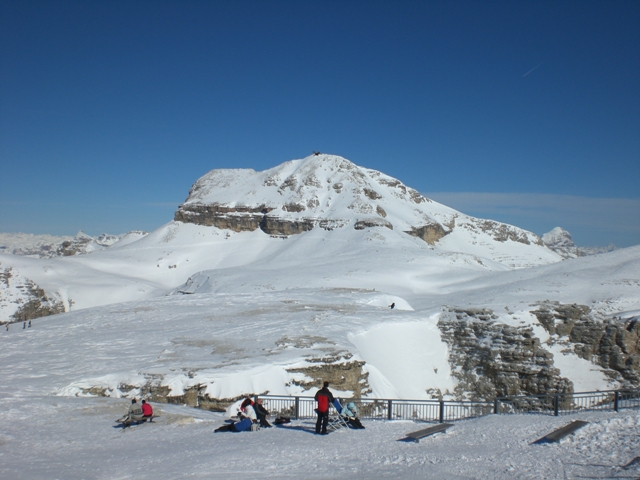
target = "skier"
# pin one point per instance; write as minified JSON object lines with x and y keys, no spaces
{"x":324,"y":397}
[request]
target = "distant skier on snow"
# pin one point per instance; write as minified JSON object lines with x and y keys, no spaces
{"x":392,"y":306}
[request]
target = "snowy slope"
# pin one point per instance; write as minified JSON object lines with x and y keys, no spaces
{"x":369,"y":214}
{"x":248,"y":334}
{"x":233,"y":343}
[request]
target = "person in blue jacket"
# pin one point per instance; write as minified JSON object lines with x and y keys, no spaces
{"x":350,"y":412}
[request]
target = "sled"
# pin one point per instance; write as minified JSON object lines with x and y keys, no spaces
{"x":124,"y":421}
{"x":425,"y":432}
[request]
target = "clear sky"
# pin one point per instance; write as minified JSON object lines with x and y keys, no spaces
{"x":524,"y":112}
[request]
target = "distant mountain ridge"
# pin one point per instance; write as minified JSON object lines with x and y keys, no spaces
{"x":50,"y":246}
{"x":559,"y":240}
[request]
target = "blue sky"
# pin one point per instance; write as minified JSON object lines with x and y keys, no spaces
{"x":524,"y":112}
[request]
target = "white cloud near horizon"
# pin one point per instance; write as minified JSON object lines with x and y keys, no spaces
{"x":596,"y":220}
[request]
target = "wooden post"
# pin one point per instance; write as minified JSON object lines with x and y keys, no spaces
{"x":556,"y":401}
{"x":389,"y":409}
{"x":441,"y":411}
{"x":297,"y":408}
{"x":616,"y":400}
{"x":496,"y":405}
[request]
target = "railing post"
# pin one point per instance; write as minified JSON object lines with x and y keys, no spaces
{"x":496,"y":406}
{"x":616,"y":400}
{"x":556,"y":402}
{"x":389,"y":409}
{"x":441,"y":411}
{"x":297,"y":408}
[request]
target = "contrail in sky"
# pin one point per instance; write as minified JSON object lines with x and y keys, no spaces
{"x":532,"y":69}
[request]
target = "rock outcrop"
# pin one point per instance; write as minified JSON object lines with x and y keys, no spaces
{"x":614,"y":344}
{"x":343,"y":373}
{"x":24,"y":298}
{"x":490,"y":359}
{"x":430,"y":233}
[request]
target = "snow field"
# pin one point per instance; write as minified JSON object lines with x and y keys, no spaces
{"x":45,"y":437}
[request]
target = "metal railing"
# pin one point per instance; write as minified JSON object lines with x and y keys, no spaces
{"x":569,"y":402}
{"x":301,"y":407}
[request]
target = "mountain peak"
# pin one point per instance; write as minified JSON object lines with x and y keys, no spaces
{"x":320,"y":187}
{"x":331,"y":192}
{"x":558,"y":237}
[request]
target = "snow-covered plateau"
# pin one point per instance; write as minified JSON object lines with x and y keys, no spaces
{"x":271,"y":282}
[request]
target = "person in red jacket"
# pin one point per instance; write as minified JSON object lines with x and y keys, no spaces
{"x":147,"y":411}
{"x":324,"y":397}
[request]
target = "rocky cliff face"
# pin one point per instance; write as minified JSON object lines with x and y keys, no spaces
{"x":490,"y":359}
{"x":611,"y":343}
{"x":21,"y":299}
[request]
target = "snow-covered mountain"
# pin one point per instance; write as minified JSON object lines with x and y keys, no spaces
{"x":301,"y":210}
{"x":560,"y":241}
{"x":330,"y":192}
{"x":281,"y":278}
{"x":49,"y":246}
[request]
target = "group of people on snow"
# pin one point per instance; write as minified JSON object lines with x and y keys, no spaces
{"x":138,"y":413}
{"x":253,"y":415}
